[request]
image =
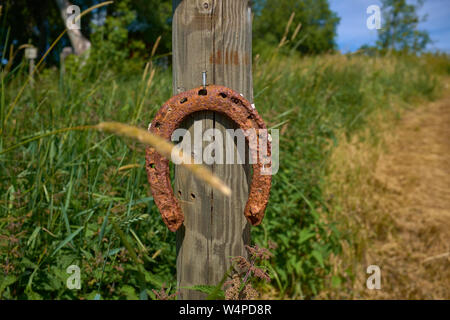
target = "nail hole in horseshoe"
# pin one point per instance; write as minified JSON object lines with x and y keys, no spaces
{"x":223,"y":95}
{"x":236,"y":101}
{"x":179,"y":193}
{"x":192,"y":196}
{"x":152,"y":165}
{"x":157,"y":125}
{"x":183,"y":100}
{"x":203,"y":92}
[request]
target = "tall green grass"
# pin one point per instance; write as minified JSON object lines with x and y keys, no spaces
{"x":311,"y":100}
{"x":59,"y":193}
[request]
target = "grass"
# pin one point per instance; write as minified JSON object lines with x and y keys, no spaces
{"x":382,"y":202}
{"x":318,"y":103}
{"x":60,"y":192}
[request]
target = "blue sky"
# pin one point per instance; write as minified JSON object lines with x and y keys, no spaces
{"x":353,"y":32}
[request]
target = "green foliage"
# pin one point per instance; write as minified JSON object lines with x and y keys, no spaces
{"x":62,"y":191}
{"x":112,"y":47}
{"x":213,"y":292}
{"x":153,"y":19}
{"x":310,"y":102}
{"x":438,"y":62}
{"x":29,"y":21}
{"x":131,"y":28}
{"x":318,"y":24}
{"x":59,"y":193}
{"x":400,"y":22}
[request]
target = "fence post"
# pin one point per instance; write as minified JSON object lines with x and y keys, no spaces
{"x":216,"y":37}
{"x":31,"y":55}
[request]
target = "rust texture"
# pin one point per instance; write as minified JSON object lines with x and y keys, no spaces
{"x":170,"y":116}
{"x":229,"y":57}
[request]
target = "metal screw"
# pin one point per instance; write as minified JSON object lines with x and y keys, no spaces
{"x":204,"y":79}
{"x":206,"y":5}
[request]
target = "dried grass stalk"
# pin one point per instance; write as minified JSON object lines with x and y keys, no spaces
{"x":165,"y":148}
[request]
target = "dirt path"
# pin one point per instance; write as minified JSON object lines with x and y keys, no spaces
{"x":415,"y":255}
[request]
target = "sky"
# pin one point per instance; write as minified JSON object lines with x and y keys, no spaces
{"x":353,"y":32}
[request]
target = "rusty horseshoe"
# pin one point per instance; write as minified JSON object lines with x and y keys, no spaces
{"x":218,"y":99}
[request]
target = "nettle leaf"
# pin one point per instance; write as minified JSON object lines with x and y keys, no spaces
{"x":33,"y":295}
{"x":305,"y":235}
{"x":318,"y":256}
{"x":129,"y":292}
{"x":91,"y":230}
{"x":211,"y":291}
{"x":203,"y":288}
{"x":27,"y":263}
{"x":6,"y":282}
{"x":153,"y":279}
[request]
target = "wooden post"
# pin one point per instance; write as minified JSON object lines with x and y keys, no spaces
{"x":213,"y":36}
{"x":31,"y":55}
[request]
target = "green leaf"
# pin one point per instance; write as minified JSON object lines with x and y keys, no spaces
{"x":316,"y":254}
{"x":32,"y":295}
{"x":305,"y":235}
{"x":211,"y":291}
{"x":28,"y":263}
{"x":154,"y":280}
{"x":68,"y":239}
{"x":104,"y":224}
{"x":115,"y":251}
{"x":93,"y":295}
{"x":6,"y":282}
{"x":336,"y":281}
{"x":129,"y":292}
{"x":33,"y":236}
{"x":202,"y":288}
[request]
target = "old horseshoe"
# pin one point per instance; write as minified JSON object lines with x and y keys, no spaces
{"x":213,"y":98}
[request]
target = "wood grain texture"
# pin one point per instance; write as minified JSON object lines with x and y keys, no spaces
{"x":213,"y":36}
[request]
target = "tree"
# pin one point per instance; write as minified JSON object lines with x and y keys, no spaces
{"x":40,"y":23}
{"x":25,"y":21}
{"x":318,"y":23}
{"x":399,"y":31}
{"x":153,"y":19}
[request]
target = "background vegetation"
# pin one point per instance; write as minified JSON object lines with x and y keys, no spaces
{"x":60,"y":191}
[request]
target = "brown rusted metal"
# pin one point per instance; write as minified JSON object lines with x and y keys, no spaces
{"x":169,"y":117}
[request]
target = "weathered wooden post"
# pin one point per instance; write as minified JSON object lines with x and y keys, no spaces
{"x":31,"y":55}
{"x":216,"y":37}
